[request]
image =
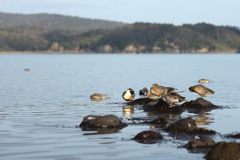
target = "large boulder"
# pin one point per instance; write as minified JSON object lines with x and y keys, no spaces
{"x":107,"y":121}
{"x":224,"y":151}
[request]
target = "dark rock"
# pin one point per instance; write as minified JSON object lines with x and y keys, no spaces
{"x":224,"y":151}
{"x":159,"y":105}
{"x":140,"y":101}
{"x":233,"y":136}
{"x":148,"y":137}
{"x":199,"y":103}
{"x":187,"y":126}
{"x":107,"y":121}
{"x":202,"y":142}
{"x":159,"y":120}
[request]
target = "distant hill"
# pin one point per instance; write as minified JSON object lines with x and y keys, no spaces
{"x":34,"y":36}
{"x":167,"y":38}
{"x":55,"y":21}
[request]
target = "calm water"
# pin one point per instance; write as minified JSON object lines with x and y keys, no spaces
{"x":40,"y":109}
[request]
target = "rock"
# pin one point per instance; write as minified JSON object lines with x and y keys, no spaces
{"x":139,"y":101}
{"x":159,"y":120}
{"x":107,"y":121}
{"x":159,"y":105}
{"x":237,"y":136}
{"x":187,"y":126}
{"x":183,"y":125}
{"x":202,"y":142}
{"x":224,"y":151}
{"x":148,"y":137}
{"x":199,"y":104}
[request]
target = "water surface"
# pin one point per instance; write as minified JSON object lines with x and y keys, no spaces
{"x":40,"y":109}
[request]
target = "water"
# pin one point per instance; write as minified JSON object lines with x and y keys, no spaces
{"x":40,"y":109}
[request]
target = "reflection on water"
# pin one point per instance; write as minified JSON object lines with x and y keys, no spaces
{"x":102,"y":131}
{"x":128,"y":110}
{"x":204,"y":119}
{"x":40,"y":109}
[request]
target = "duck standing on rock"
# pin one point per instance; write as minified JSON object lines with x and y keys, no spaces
{"x":143,"y":92}
{"x":128,"y":95}
{"x":159,"y":91}
{"x":201,"y":90}
{"x":172,"y":98}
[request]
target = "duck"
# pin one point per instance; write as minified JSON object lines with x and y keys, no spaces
{"x":159,"y":91}
{"x":98,"y":96}
{"x":128,"y":95}
{"x":201,"y":90}
{"x":172,"y":98}
{"x":143,"y":92}
{"x":151,"y":96}
{"x":203,"y":81}
{"x":27,"y":70}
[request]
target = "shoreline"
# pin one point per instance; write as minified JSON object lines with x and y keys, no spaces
{"x":75,"y":52}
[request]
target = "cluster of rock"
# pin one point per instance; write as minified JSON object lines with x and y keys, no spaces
{"x":183,"y":127}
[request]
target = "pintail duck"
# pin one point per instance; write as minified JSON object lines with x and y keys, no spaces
{"x":158,"y":90}
{"x":172,"y":98}
{"x":201,"y":90}
{"x":143,"y":92}
{"x":98,"y":96}
{"x":128,"y":95}
{"x":203,"y":81}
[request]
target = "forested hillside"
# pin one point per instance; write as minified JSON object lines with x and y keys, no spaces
{"x":134,"y":38}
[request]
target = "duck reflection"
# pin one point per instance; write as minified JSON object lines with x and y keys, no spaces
{"x":203,"y":119}
{"x":128,"y":110}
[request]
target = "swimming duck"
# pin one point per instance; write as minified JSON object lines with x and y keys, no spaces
{"x":201,"y":90}
{"x":143,"y":92}
{"x":27,"y":69}
{"x":203,"y":81}
{"x":128,"y":95}
{"x":158,"y":90}
{"x":172,"y":98}
{"x":98,"y":96}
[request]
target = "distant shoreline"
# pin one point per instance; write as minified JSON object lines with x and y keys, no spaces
{"x":74,"y":52}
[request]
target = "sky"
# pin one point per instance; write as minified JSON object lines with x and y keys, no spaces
{"x":177,"y":12}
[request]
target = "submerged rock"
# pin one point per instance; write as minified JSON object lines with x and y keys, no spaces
{"x":159,"y":120}
{"x":148,"y":137}
{"x":107,"y":121}
{"x":224,"y":151}
{"x":159,"y":105}
{"x":202,"y":142}
{"x":233,"y":135}
{"x":187,"y":126}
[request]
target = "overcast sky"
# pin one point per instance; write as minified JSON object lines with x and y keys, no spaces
{"x":178,"y":12}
